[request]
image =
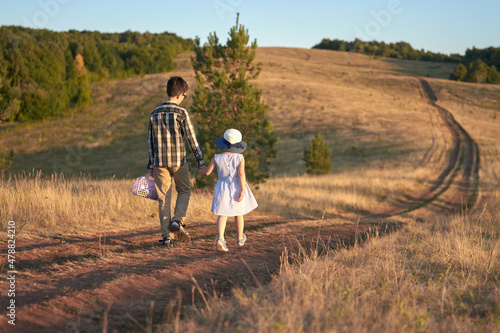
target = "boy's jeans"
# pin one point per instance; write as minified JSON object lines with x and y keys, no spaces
{"x":163,"y":181}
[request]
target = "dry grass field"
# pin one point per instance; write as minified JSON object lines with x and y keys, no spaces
{"x":392,"y":146}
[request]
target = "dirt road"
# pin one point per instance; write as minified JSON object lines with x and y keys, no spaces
{"x":70,"y":284}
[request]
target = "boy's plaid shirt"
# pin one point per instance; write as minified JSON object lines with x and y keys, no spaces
{"x":168,"y":125}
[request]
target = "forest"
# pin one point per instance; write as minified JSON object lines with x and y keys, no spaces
{"x":43,"y":72}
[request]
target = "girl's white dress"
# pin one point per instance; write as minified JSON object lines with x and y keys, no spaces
{"x":227,"y":189}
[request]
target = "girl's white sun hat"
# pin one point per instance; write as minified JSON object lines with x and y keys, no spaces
{"x":231,"y":141}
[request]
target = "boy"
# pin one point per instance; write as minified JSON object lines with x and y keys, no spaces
{"x":169,"y":124}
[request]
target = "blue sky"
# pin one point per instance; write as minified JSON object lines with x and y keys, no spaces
{"x":439,"y":26}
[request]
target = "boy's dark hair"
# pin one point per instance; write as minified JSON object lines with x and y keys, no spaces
{"x":176,"y":86}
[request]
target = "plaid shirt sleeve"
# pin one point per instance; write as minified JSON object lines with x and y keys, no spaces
{"x":188,"y":132}
{"x":151,"y":146}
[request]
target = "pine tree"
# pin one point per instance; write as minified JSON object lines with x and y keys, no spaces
{"x":225,"y":98}
{"x":317,"y":157}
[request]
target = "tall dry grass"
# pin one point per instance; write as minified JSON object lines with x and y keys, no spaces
{"x":48,"y":205}
{"x":433,"y":277}
{"x":346,"y":191}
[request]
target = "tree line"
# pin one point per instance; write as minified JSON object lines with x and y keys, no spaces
{"x":400,"y":50}
{"x":479,"y":66}
{"x":44,"y":72}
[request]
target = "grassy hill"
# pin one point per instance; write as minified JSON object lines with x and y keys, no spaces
{"x":389,"y":145}
{"x":370,"y":110}
{"x":109,"y":132}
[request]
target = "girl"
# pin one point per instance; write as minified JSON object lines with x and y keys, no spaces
{"x":232,"y":195}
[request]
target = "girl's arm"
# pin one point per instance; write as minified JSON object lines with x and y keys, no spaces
{"x":205,"y":171}
{"x":242,"y":179}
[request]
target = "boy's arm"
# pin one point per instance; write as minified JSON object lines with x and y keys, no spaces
{"x":151,"y":146}
{"x":242,"y":179}
{"x":187,"y":130}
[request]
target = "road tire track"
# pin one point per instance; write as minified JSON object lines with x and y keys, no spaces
{"x":458,"y":180}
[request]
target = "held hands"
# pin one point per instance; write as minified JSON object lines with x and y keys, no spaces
{"x":202,"y":170}
{"x":207,"y":170}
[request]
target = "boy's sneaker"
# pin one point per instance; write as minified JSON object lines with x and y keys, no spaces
{"x":165,"y":241}
{"x":175,"y":226}
{"x":182,"y":235}
{"x":242,"y":241}
{"x":179,"y":233}
{"x":221,"y":245}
